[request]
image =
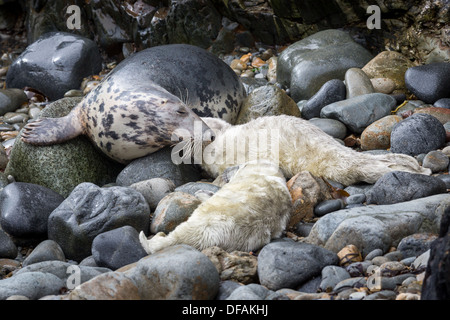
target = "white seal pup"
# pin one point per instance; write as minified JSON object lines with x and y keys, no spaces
{"x":297,"y":145}
{"x":245,"y":214}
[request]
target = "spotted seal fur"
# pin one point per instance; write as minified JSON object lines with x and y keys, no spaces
{"x":135,"y":110}
{"x":300,"y":146}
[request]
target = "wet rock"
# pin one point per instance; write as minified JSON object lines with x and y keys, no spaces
{"x":416,"y":244}
{"x":436,"y":160}
{"x":154,"y":190}
{"x":172,"y":210}
{"x":178,"y":272}
{"x":54,"y":72}
{"x":378,"y":134}
{"x":332,"y":91}
{"x":32,"y":285}
{"x":333,"y":127}
{"x":90,"y":210}
{"x":331,"y":276}
{"x":157,"y":165}
{"x":430,"y":82}
{"x":383,"y":85}
{"x":391,"y":65}
{"x":420,"y":133}
{"x":11,"y":100}
{"x":378,"y":227}
{"x":328,"y":206}
{"x":308,"y":64}
{"x":285,"y":264}
{"x":359,"y":112}
{"x":268,"y":100}
{"x":357,"y":83}
{"x":116,"y":248}
{"x":7,"y":247}
{"x":47,"y":250}
{"x":443,"y":103}
{"x":25,"y":209}
{"x":398,"y":186}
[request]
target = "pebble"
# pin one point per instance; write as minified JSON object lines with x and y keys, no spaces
{"x":25,"y":209}
{"x":307,"y":64}
{"x":172,"y":210}
{"x":383,"y":85}
{"x":54,"y":72}
{"x":332,"y":91}
{"x":89,"y":211}
{"x":118,"y":247}
{"x":301,"y":262}
{"x":47,"y":250}
{"x":7,"y":247}
{"x":373,"y":254}
{"x":443,"y":103}
{"x":436,"y":160}
{"x":430,"y":82}
{"x":357,"y":83}
{"x":356,"y":198}
{"x":154,"y":190}
{"x":333,"y":127}
{"x":328,"y":206}
{"x":378,"y":134}
{"x":420,"y":133}
{"x":331,"y":276}
{"x":359,"y":112}
{"x":157,"y":165}
{"x":398,"y":186}
{"x":33,"y":285}
{"x":11,"y":99}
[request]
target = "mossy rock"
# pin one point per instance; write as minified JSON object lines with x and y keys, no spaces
{"x":61,"y":167}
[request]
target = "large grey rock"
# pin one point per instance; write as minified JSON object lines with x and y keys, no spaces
{"x":157,"y":165}
{"x":359,"y":112}
{"x":307,"y":64}
{"x":378,"y":227}
{"x":286,"y":264}
{"x":90,"y":210}
{"x":175,"y":273}
{"x":47,"y":250}
{"x":55,"y":63}
{"x":32,"y":285}
{"x":398,"y":186}
{"x":419,"y":133}
{"x":61,"y":167}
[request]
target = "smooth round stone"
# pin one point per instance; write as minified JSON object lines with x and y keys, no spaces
{"x":154,"y":190}
{"x":172,"y":210}
{"x":398,"y":186}
{"x":47,"y":250}
{"x":359,"y":112}
{"x":374,"y":253}
{"x":360,"y":295}
{"x":116,"y":248}
{"x":333,"y":127}
{"x":11,"y":99}
{"x":331,"y":276}
{"x":443,"y":103}
{"x":357,"y":83}
{"x":416,"y":244}
{"x":7,"y":247}
{"x":383,"y":85}
{"x":302,"y":229}
{"x":436,"y":161}
{"x":356,"y":198}
{"x":328,"y":206}
{"x":25,"y":209}
{"x":332,"y":91}
{"x":445,"y":178}
{"x":378,"y":134}
{"x":420,"y":133}
{"x":430,"y":82}
{"x":55,"y":63}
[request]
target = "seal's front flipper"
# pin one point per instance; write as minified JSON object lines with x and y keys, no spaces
{"x":48,"y":131}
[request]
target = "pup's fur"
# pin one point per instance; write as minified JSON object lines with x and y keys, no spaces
{"x":245,"y":214}
{"x":302,"y":147}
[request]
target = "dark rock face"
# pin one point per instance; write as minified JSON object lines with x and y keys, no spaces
{"x":54,"y":64}
{"x":436,"y":285}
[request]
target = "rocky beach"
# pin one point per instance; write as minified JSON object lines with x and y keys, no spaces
{"x":70,"y":217}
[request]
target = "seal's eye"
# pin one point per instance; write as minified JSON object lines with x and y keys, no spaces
{"x":181,"y":111}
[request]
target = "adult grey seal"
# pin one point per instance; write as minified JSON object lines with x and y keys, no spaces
{"x":137,"y":108}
